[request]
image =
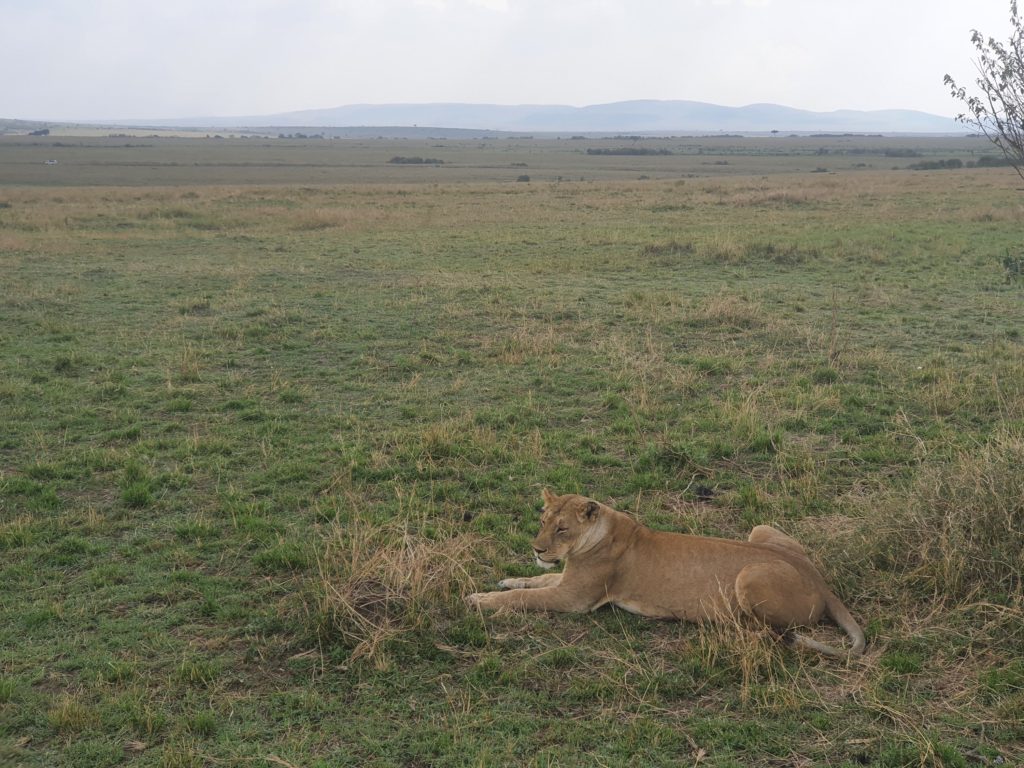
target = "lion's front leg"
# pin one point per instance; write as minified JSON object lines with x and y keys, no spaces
{"x":539,"y":599}
{"x":532,"y":582}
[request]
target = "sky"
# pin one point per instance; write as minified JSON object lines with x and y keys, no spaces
{"x":141,"y":59}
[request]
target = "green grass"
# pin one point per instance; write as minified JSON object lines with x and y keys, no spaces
{"x":258,"y":441}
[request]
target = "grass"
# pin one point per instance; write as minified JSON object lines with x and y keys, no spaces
{"x":259,"y":440}
{"x":190,"y":160}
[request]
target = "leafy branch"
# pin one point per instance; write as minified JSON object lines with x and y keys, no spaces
{"x":998,"y":110}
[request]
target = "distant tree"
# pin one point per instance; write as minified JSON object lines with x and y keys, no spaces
{"x":998,"y":110}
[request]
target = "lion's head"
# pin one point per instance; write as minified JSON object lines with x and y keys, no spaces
{"x":565,"y":521}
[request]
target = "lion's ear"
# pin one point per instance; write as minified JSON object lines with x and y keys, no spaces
{"x":548,"y":496}
{"x":589,"y":511}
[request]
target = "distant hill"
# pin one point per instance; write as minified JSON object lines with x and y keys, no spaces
{"x":665,"y":117}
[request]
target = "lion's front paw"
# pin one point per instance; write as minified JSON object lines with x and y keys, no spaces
{"x":480,"y":600}
{"x":513,"y":583}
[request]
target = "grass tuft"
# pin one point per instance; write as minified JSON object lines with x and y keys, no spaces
{"x":956,"y":532}
{"x":283,"y":557}
{"x":70,"y":716}
{"x":202,"y":724}
{"x":377,"y":584}
{"x":726,"y":310}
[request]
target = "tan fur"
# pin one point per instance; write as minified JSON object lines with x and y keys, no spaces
{"x":610,"y":558}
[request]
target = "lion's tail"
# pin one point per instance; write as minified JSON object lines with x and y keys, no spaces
{"x":841,"y":616}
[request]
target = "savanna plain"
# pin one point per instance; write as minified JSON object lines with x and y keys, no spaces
{"x":270,"y":408}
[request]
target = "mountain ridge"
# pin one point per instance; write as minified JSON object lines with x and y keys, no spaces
{"x":638,"y":115}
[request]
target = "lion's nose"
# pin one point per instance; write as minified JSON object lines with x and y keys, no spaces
{"x":538,"y":551}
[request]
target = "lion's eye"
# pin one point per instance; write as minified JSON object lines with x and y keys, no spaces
{"x":562,"y":530}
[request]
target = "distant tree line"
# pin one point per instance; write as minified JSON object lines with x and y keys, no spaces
{"x":937,"y":165}
{"x":985,"y":161}
{"x":989,"y":161}
{"x":400,"y":160}
{"x":628,"y":151}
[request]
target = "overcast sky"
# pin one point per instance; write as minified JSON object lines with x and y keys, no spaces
{"x":108,"y":59}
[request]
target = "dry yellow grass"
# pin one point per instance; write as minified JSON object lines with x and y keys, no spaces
{"x":377,"y":583}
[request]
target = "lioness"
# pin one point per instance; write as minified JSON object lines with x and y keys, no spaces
{"x":610,"y":558}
